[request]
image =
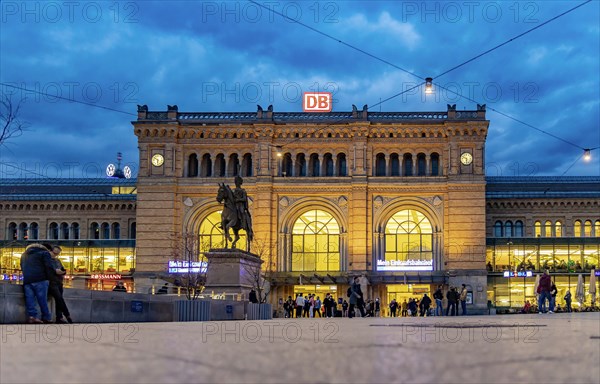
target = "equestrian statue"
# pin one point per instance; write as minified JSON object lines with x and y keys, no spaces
{"x":235,"y":214}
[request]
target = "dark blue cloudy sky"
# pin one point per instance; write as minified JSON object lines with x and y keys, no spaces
{"x":231,"y":56}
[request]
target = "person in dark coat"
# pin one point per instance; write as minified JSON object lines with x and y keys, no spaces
{"x":356,"y":298}
{"x":36,"y":265}
{"x":56,"y":288}
{"x":452,"y":297}
{"x":544,"y":292}
{"x":425,"y":303}
{"x":252,"y":296}
{"x":120,"y":287}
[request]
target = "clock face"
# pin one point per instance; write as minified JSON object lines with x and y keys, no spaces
{"x":158,"y":160}
{"x":466,"y":158}
{"x":110,"y":170}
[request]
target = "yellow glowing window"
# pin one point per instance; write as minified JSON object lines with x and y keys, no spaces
{"x":316,"y":242}
{"x":211,"y":235}
{"x":408,"y":236}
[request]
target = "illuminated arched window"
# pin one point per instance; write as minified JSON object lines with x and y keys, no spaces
{"x":587,"y":228}
{"x":558,"y":229}
{"x":498,"y":229}
{"x":537,"y":227}
{"x":577,"y":228}
{"x":409,"y":237}
{"x":211,"y":235}
{"x":316,"y":242}
{"x":548,"y":228}
{"x":597,"y":228}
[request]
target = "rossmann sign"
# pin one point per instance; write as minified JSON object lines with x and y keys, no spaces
{"x":317,"y":102}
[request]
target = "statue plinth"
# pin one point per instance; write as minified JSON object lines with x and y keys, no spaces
{"x":231,"y":271}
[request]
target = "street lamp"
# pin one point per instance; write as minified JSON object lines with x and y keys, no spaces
{"x":428,"y":85}
{"x":587,"y":154}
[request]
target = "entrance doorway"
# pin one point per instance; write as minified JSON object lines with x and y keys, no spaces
{"x":402,"y":292}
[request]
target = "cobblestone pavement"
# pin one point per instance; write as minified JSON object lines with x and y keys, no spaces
{"x":550,"y":348}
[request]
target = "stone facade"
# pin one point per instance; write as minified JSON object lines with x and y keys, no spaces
{"x":360,"y":168}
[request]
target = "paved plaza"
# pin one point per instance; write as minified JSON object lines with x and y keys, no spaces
{"x":551,"y":348}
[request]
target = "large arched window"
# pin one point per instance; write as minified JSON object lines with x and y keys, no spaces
{"x":211,"y":235}
{"x":408,"y":242}
{"x":577,"y":228}
{"x":548,"y":228}
{"x":537,"y":229}
{"x":316,"y":242}
{"x":587,"y":228}
{"x":558,"y":229}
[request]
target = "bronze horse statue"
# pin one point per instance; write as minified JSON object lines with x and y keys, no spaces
{"x":229,"y":216}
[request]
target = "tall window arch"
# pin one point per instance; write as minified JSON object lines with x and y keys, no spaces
{"x":558,"y":229}
{"x":247,"y":165}
{"x":327,"y":165}
{"x":498,"y":229}
{"x":94,"y":231}
{"x":105,"y":230}
{"x":287,"y":165}
{"x":220,"y":165}
{"x":380,"y":164}
{"x":407,"y":164}
{"x":409,"y":237}
{"x":206,"y":166}
{"x":587,"y":228}
{"x":23,"y":233}
{"x":75,"y":231}
{"x":577,"y":228}
{"x":115,"y":231}
{"x":435,"y":164}
{"x":341,"y":164}
{"x":421,"y":165}
{"x":300,"y":165}
{"x":548,"y":228}
{"x":313,"y":165}
{"x":233,"y":165}
{"x":64,"y":231}
{"x":53,"y":231}
{"x":193,"y":165}
{"x":519,"y":228}
{"x":394,"y":165}
{"x":537,"y":229}
{"x":316,"y":242}
{"x":211,"y":235}
{"x":33,"y":231}
{"x":597,"y":228}
{"x":508,"y":229}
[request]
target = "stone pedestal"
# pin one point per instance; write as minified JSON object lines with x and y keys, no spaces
{"x":231,"y":271}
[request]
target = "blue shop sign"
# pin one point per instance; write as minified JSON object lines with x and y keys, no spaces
{"x":137,"y":306}
{"x":518,"y":274}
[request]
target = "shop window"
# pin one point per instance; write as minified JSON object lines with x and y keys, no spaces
{"x":394,"y":164}
{"x":341,"y":165}
{"x":316,"y":242}
{"x":380,"y":164}
{"x":53,"y":231}
{"x":498,"y":229}
{"x":577,"y":228}
{"x":206,"y":166}
{"x":435,"y":164}
{"x":519,"y":228}
{"x":537,"y":229}
{"x":409,"y":236}
{"x":193,"y":165}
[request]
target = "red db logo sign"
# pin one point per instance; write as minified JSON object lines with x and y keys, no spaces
{"x":317,"y":102}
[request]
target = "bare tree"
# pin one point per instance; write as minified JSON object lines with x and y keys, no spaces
{"x":10,"y":125}
{"x":260,"y":277}
{"x":188,"y":267}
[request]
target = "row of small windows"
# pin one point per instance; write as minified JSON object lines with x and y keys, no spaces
{"x":315,"y":167}
{"x":406,"y":165}
{"x":220,"y":167}
{"x":547,"y":229}
{"x":66,"y":231}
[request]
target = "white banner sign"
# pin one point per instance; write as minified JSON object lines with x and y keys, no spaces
{"x":405,"y":265}
{"x":176,"y":266}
